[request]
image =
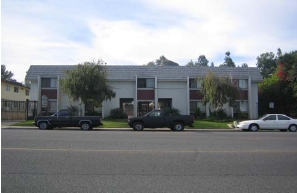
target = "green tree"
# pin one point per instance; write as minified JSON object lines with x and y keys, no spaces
{"x":162,"y":61}
{"x":228,"y":60}
{"x":244,"y":65}
{"x":267,"y":63}
{"x":280,"y":88}
{"x":218,"y":91}
{"x":191,"y":63}
{"x":202,"y":61}
{"x":288,"y":70}
{"x":87,"y":83}
{"x":5,"y":74}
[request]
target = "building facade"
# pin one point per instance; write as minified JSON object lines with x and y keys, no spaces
{"x":13,"y":100}
{"x":140,"y":89}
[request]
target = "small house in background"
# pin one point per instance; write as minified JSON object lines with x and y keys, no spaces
{"x":140,"y":89}
{"x":14,"y":96}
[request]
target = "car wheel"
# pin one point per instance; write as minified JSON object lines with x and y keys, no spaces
{"x":283,"y":130}
{"x":293,"y":128}
{"x":178,"y":127}
{"x":85,"y":126}
{"x":253,"y":127}
{"x":138,"y":126}
{"x":43,"y":125}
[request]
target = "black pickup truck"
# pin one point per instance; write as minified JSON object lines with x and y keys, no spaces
{"x":160,"y":119}
{"x":64,"y":118}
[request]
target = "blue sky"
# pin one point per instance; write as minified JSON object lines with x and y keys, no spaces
{"x":135,"y":32}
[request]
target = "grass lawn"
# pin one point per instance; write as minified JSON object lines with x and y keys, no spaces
{"x":198,"y":124}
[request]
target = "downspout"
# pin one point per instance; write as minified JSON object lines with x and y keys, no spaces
{"x":250,"y":98}
{"x":58,"y":94}
{"x":135,"y":98}
{"x":39,"y":94}
{"x":156,"y":93}
{"x":188,"y":96}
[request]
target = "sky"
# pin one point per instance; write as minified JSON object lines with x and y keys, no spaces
{"x":135,"y":32}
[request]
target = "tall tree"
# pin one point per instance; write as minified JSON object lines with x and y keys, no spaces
{"x":280,"y":87}
{"x":228,"y":62}
{"x":87,"y":83}
{"x":202,"y":61}
{"x":267,"y":63}
{"x":5,"y":74}
{"x":162,"y":61}
{"x":287,"y":70}
{"x":191,"y":63}
{"x":244,"y":65}
{"x":218,"y":91}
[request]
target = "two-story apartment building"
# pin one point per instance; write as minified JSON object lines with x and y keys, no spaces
{"x":140,"y":89}
{"x":13,"y":97}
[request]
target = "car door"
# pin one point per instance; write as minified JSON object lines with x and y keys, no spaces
{"x":283,"y":122}
{"x":269,"y":122}
{"x":62,"y":119}
{"x":155,"y":119}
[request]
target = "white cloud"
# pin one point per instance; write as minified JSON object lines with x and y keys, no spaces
{"x":245,"y":28}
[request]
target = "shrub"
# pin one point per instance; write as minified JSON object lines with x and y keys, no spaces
{"x":198,"y":114}
{"x":117,"y":114}
{"x":93,"y":113}
{"x":171,"y":111}
{"x":218,"y":115}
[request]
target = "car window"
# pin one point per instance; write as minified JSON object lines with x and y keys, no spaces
{"x":270,"y":118}
{"x":63,"y":113}
{"x":281,"y":117}
{"x":155,"y":114}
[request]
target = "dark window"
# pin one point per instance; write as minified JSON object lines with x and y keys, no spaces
{"x":48,"y":83}
{"x":16,"y":89}
{"x":27,"y":92}
{"x":281,"y":117}
{"x":270,"y":118}
{"x":145,"y":83}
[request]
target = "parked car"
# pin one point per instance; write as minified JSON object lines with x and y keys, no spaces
{"x":269,"y":121}
{"x":64,"y":118}
{"x":160,"y":119}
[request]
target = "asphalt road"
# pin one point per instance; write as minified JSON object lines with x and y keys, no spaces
{"x":148,"y":161}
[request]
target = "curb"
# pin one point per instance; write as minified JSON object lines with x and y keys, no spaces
{"x":126,"y":129}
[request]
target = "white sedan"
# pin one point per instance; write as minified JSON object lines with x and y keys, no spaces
{"x":269,"y":121}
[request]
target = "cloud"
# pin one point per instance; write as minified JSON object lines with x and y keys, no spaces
{"x":62,"y":33}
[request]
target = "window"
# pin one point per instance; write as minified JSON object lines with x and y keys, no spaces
{"x":197,"y":104}
{"x":16,"y":89}
{"x":281,"y":117}
{"x":243,"y":84}
{"x":145,"y":83}
{"x":127,"y":105}
{"x":27,"y":92}
{"x":7,"y":88}
{"x":193,"y":83}
{"x":271,"y":118}
{"x":196,"y":83}
{"x":48,"y":83}
{"x":241,"y":106}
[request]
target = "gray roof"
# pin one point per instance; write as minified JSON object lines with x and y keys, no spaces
{"x":163,"y":73}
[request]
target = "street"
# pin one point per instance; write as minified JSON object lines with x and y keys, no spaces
{"x":148,"y":161}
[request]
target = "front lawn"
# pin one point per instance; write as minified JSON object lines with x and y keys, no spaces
{"x":198,"y":124}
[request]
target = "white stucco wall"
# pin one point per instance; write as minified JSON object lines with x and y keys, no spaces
{"x":124,"y":89}
{"x":177,"y":91}
{"x":34,"y":92}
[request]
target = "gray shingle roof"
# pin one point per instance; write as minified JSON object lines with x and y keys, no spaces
{"x":163,"y":73}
